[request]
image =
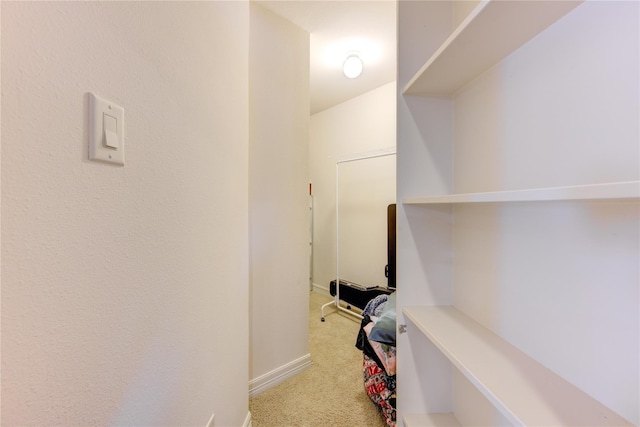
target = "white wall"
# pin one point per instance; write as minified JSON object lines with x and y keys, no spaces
{"x":125,"y":289}
{"x":361,"y":124}
{"x":563,"y":275}
{"x":278,"y":197}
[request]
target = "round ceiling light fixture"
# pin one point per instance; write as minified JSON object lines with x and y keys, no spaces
{"x":352,"y":66}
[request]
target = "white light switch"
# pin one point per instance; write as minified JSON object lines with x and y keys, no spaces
{"x":110,"y":126}
{"x":106,"y":131}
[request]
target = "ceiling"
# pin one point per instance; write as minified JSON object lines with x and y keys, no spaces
{"x":336,"y":28}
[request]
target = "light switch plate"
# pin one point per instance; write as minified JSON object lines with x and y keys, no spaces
{"x":106,"y":144}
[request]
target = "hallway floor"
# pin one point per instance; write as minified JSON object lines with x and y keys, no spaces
{"x":331,"y":392}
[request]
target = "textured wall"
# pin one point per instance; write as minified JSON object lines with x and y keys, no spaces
{"x":125,"y":289}
{"x":279,"y":196}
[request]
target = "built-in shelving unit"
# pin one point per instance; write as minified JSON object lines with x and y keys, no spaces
{"x":479,"y":42}
{"x":610,"y":191}
{"x":518,"y":310}
{"x":523,"y":390}
{"x":430,"y":420}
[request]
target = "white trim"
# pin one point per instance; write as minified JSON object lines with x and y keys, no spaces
{"x":608,"y":191}
{"x":247,"y":420}
{"x":275,"y":377}
{"x":380,"y":152}
{"x":322,"y":290}
{"x":246,"y":423}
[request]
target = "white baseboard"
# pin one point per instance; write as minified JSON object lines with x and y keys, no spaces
{"x":321,"y":290}
{"x":246,"y":423}
{"x":211,"y":422}
{"x":275,"y":377}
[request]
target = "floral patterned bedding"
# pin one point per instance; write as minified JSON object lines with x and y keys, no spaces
{"x":379,"y":363}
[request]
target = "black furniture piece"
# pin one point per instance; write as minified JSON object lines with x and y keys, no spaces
{"x":357,"y":295}
{"x":390,"y":269}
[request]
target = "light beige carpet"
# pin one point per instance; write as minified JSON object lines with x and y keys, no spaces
{"x":330,"y":393}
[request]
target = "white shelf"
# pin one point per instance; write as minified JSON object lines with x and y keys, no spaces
{"x":491,"y":32}
{"x":523,"y":390}
{"x":612,"y":191}
{"x":430,"y":420}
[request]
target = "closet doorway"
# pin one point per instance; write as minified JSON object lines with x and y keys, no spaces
{"x":365,"y":188}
